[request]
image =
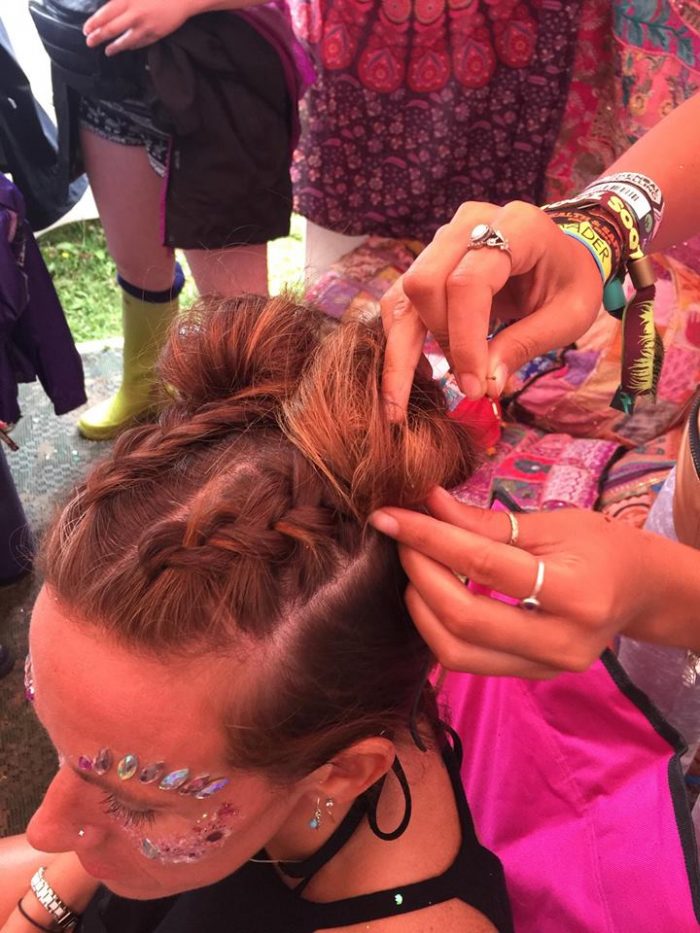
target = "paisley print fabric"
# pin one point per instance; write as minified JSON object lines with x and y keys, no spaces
{"x":422,"y":104}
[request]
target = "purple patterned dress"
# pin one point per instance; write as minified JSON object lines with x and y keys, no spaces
{"x":422,"y":104}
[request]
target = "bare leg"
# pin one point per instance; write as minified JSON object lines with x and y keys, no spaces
{"x":230,"y":272}
{"x":128,"y":196}
{"x":127,"y":193}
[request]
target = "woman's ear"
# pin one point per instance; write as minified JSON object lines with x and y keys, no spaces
{"x":354,"y":769}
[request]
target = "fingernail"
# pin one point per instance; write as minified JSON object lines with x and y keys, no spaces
{"x":471,"y":386}
{"x":500,"y":375}
{"x":385,"y":523}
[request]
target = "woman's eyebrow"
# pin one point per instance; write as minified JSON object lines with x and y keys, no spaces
{"x":121,"y":792}
{"x":97,"y":781}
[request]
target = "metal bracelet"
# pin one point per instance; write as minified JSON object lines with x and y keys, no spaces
{"x":61,"y":913}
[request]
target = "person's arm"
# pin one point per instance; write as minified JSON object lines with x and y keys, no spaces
{"x":600,"y":578}
{"x":18,"y":862}
{"x":670,"y":154}
{"x":133,"y":24}
{"x":550,"y":283}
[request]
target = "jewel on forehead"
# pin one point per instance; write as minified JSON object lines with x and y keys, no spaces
{"x":103,"y":761}
{"x":212,"y":788}
{"x":195,"y":786}
{"x":127,"y":767}
{"x":152,"y":772}
{"x":85,"y":763}
{"x":174,"y":780}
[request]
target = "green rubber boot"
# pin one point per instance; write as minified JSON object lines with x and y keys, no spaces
{"x":146,"y":325}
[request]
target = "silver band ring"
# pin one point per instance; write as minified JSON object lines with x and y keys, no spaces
{"x":531,"y":602}
{"x":484,"y":235}
{"x":514,"y":529}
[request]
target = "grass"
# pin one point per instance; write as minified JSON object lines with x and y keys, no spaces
{"x":83,"y":273}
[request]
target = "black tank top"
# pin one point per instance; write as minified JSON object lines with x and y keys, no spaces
{"x":255,"y":900}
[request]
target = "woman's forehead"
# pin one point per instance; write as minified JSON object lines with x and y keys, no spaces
{"x":92,"y":693}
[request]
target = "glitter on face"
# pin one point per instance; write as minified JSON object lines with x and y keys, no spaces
{"x":28,"y":679}
{"x":208,"y":834}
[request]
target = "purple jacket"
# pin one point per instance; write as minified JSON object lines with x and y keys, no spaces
{"x":34,"y":337}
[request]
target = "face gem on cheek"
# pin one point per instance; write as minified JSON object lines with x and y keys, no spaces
{"x":28,"y":679}
{"x":208,"y":834}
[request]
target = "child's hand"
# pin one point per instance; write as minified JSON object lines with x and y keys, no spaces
{"x":133,"y":24}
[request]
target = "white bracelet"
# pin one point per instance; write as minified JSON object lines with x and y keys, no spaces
{"x":61,"y":913}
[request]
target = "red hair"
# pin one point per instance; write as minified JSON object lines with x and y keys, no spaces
{"x":236,"y":525}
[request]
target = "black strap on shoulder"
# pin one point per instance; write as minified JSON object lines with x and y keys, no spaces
{"x":475,"y":877}
{"x":398,"y":770}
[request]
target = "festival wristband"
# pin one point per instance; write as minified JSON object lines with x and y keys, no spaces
{"x":641,"y":183}
{"x":640,"y":195}
{"x":596,"y":246}
{"x":605,"y":210}
{"x":606,"y":227}
{"x":628,"y":224}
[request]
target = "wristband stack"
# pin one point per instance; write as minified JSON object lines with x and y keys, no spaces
{"x":615,"y":218}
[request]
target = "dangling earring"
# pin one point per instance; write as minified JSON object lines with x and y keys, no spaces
{"x":315,"y":821}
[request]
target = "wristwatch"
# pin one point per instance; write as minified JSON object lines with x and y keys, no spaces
{"x":61,"y":913}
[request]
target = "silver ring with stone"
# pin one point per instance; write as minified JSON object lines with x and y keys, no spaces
{"x":531,"y":602}
{"x":484,"y":235}
{"x":514,"y":529}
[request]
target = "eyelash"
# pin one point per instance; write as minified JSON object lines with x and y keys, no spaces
{"x":126,"y":815}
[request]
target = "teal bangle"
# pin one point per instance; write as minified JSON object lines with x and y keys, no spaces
{"x":614,"y":298}
{"x":580,"y":239}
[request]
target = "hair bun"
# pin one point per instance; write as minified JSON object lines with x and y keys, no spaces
{"x":249,"y":349}
{"x":338,"y":420}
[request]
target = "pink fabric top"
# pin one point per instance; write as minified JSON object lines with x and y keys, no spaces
{"x":578,"y":790}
